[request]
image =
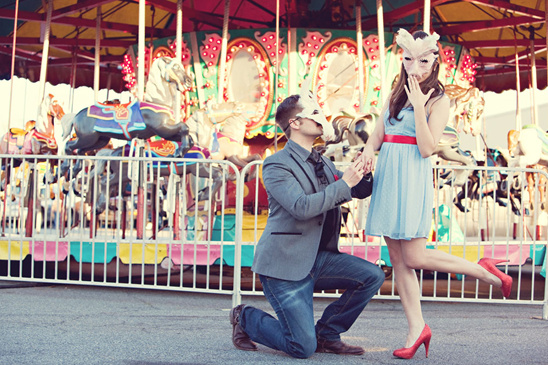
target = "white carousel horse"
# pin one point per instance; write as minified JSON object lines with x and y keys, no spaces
{"x":351,"y":134}
{"x":466,"y":107}
{"x":221,"y":128}
{"x":529,"y":148}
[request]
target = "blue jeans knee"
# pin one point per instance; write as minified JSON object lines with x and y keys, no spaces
{"x":304,"y":348}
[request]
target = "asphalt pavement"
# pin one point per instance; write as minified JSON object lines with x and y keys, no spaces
{"x":70,"y":324}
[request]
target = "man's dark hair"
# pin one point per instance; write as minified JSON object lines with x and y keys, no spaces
{"x":286,"y":111}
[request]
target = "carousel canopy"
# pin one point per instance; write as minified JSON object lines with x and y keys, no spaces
{"x":493,"y":31}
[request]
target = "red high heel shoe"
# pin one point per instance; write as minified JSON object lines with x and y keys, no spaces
{"x":409,"y":352}
{"x":489,"y":265}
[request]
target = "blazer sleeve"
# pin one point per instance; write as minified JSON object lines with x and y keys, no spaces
{"x":282,"y":184}
{"x":364,"y":188}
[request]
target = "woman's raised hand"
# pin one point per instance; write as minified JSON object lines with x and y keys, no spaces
{"x":414,"y":92}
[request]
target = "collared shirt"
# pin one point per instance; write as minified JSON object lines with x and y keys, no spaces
{"x":328,"y":241}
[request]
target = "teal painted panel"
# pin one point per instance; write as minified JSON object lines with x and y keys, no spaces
{"x":93,"y":252}
{"x":248,"y":252}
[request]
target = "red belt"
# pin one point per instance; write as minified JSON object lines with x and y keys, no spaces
{"x":394,"y":138}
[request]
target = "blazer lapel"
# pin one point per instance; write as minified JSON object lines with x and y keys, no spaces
{"x":307,"y":171}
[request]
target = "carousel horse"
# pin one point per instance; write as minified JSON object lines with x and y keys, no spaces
{"x":36,"y":138}
{"x":351,"y":134}
{"x":32,"y":141}
{"x":158,"y":149}
{"x":491,"y":183}
{"x":220,"y":128}
{"x":530,"y":149}
{"x":466,"y":107}
{"x":96,"y":125}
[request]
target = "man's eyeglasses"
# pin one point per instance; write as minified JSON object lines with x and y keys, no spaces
{"x":291,"y":121}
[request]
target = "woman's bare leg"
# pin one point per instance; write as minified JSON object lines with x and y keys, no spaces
{"x":408,"y":290}
{"x":417,"y":256}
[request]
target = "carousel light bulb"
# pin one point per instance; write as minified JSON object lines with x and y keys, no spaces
{"x":375,"y":40}
{"x":264,"y":40}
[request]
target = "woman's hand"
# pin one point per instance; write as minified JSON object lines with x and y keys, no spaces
{"x":367,"y":157}
{"x":414,"y":93}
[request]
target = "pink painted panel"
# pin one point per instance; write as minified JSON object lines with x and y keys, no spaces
{"x":48,"y":251}
{"x":517,"y":254}
{"x":373,"y":252}
{"x":201,"y":251}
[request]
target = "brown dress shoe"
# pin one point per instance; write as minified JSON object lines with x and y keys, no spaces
{"x":338,"y":347}
{"x":240,"y":339}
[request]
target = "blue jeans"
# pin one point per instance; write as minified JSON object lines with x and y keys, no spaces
{"x":294,"y":331}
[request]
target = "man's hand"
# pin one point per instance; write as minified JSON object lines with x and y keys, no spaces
{"x":354,"y":173}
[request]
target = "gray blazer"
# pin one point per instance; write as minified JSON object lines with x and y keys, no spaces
{"x":289,"y":244}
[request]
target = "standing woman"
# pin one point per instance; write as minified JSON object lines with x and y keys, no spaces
{"x":401,"y":204}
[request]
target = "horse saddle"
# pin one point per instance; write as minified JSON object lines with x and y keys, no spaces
{"x":117,"y":118}
{"x":16,"y":139}
{"x":20,"y":141}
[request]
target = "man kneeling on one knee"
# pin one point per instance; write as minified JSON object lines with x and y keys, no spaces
{"x":298,"y":250}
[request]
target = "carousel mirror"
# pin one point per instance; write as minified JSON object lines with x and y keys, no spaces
{"x":337,"y":77}
{"x":247,"y":80}
{"x":341,"y":82}
{"x":244,"y":82}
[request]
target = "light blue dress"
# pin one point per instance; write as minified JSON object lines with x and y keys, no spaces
{"x":403,"y":191}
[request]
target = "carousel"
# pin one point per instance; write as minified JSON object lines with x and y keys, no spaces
{"x":170,"y":182}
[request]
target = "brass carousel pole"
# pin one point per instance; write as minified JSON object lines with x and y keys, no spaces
{"x":44,"y":64}
{"x":222,"y":65}
{"x":176,"y":234}
{"x":139,"y":148}
{"x":382,"y":55}
{"x":277,"y":71}
{"x":534,"y":108}
{"x":97,"y":70}
{"x":179,"y":55}
{"x":426,"y":19}
{"x":9,"y":119}
{"x":359,"y":49}
{"x":518,"y":85}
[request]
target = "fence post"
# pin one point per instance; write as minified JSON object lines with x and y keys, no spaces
{"x":236,"y":289}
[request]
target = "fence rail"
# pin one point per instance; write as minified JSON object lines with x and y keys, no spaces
{"x":192,"y":225}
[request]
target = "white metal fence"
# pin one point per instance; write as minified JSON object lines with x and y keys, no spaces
{"x":166,"y":225}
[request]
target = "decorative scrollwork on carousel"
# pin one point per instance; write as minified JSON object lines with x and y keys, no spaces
{"x":310,"y":47}
{"x":185,"y":51}
{"x":210,"y":52}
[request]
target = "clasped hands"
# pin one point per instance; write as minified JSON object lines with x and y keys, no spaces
{"x":355,"y":172}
